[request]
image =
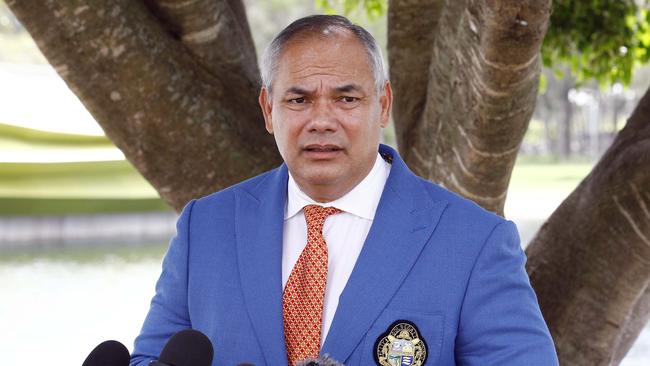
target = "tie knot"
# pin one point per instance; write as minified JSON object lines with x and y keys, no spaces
{"x":316,"y":215}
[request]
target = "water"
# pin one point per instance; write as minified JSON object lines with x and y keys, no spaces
{"x":58,"y":305}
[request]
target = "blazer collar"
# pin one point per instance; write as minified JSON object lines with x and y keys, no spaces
{"x":259,"y":216}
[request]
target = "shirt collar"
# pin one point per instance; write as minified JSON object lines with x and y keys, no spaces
{"x":361,"y":201}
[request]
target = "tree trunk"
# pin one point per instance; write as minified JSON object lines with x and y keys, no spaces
{"x":637,"y":320}
{"x":590,"y":262}
{"x":173,"y":84}
{"x":412,"y":26}
{"x":461,"y":126}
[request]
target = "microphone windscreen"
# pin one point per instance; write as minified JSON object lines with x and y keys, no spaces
{"x":108,"y":353}
{"x":187,"y":348}
{"x":324,"y":360}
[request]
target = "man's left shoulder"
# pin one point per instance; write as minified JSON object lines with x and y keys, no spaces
{"x":459,"y":207}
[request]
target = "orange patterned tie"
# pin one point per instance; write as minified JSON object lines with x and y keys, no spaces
{"x":302,"y":301}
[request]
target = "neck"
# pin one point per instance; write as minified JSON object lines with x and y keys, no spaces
{"x":324,"y":194}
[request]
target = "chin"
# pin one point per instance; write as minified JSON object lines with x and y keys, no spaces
{"x":320,"y":176}
{"x":321,"y":179}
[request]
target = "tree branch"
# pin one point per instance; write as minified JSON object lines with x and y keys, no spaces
{"x":151,"y":96}
{"x":480,"y":96}
{"x":412,"y":27}
{"x":590,"y":262}
{"x":217,"y":33}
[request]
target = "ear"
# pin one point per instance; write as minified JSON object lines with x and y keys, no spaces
{"x":267,"y":108}
{"x":386,"y":101}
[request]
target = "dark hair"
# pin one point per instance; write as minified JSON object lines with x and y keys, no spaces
{"x":322,"y":25}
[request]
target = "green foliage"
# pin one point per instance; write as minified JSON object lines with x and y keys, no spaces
{"x":599,"y":39}
{"x":605,"y":40}
{"x":374,"y":8}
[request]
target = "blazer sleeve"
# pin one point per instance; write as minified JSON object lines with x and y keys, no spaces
{"x":500,"y":320}
{"x":168,"y":313}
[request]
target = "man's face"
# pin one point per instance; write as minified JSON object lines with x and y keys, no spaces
{"x":326,"y":114}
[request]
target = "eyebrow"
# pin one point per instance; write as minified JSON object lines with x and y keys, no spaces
{"x":297,"y":90}
{"x":341,"y":89}
{"x":348,"y":88}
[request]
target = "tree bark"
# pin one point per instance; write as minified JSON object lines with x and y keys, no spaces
{"x":207,"y":28}
{"x":464,"y":122}
{"x":635,"y":323}
{"x":590,"y":262}
{"x":173,"y":85}
{"x":412,"y":27}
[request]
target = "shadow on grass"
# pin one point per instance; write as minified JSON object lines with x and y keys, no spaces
{"x":19,"y":206}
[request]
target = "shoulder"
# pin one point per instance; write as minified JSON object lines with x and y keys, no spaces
{"x":223,"y":201}
{"x":464,"y":219}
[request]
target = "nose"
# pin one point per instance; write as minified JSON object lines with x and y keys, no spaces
{"x":323,"y":118}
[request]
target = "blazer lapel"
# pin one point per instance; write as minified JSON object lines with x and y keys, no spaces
{"x":259,"y":221}
{"x":405,"y":218}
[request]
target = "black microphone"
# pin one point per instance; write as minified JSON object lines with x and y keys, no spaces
{"x":324,"y":360}
{"x":108,"y":353}
{"x":186,"y":348}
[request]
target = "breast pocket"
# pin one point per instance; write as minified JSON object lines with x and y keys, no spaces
{"x":404,"y":338}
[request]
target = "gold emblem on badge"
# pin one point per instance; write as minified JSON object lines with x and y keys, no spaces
{"x":401,"y":345}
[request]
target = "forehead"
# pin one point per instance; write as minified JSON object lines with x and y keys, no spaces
{"x":335,"y":55}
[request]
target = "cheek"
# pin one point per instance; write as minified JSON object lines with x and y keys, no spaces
{"x":286,"y":133}
{"x":364,"y":127}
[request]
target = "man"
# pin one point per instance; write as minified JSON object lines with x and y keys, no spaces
{"x":342,"y":250}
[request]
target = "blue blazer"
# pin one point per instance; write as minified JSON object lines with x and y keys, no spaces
{"x":431,"y":257}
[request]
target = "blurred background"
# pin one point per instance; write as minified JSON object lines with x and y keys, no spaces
{"x":82,"y":234}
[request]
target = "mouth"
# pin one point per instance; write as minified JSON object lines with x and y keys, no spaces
{"x":322,"y":152}
{"x":322,"y":148}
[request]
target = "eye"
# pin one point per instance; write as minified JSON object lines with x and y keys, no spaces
{"x":347,"y":99}
{"x":300,"y":100}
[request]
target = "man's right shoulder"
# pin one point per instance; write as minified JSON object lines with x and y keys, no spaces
{"x":225,"y":197}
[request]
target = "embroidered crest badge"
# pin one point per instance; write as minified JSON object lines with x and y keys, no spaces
{"x":401,"y":345}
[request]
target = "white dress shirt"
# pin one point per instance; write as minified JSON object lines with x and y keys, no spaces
{"x":344,"y":232}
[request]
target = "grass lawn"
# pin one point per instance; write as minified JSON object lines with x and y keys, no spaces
{"x":537,"y":189}
{"x":75,"y":188}
{"x":18,"y":206}
{"x":548,"y":176}
{"x":68,"y":188}
{"x":97,"y":179}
